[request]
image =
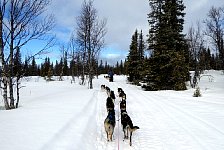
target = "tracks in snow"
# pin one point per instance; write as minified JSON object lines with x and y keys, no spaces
{"x":174,"y":128}
{"x":67,"y":138}
{"x":165,"y":124}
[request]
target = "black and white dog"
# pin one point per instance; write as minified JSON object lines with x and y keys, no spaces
{"x":109,"y":124}
{"x":107,"y":91}
{"x":123,"y":106}
{"x":109,"y":104}
{"x":119,"y":90}
{"x":103,"y":87}
{"x":127,"y":126}
{"x":112,"y":95}
{"x":121,"y":93}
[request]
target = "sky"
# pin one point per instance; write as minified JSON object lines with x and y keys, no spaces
{"x":123,"y":18}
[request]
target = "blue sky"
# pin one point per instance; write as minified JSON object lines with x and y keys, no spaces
{"x":123,"y":18}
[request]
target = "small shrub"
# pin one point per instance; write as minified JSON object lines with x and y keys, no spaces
{"x":197,"y":92}
{"x":150,"y":87}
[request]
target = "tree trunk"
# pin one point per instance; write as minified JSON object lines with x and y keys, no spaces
{"x":83,"y":74}
{"x":7,"y":107}
{"x":73,"y":74}
{"x":61,"y":74}
{"x":11,"y":60}
{"x":91,"y":78}
{"x":2,"y":65}
{"x":17,"y":92}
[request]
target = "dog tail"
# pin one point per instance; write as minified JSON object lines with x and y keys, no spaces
{"x":134,"y":128}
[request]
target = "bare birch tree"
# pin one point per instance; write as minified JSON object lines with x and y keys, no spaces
{"x":215,"y":30}
{"x":2,"y":60}
{"x":195,"y":44}
{"x":90,"y":37}
{"x":64,"y":52}
{"x":73,"y":56}
{"x":22,"y":21}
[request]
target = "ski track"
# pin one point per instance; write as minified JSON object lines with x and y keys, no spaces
{"x":191,"y":120}
{"x":172,"y":114}
{"x":162,"y":126}
{"x":65,"y":136}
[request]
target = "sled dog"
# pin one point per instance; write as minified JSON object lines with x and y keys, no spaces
{"x":109,"y":124}
{"x":103,"y":87}
{"x":127,"y":126}
{"x":122,"y":95}
{"x":109,"y":104}
{"x":112,"y":95}
{"x":119,"y":90}
{"x":123,"y":105}
{"x":108,"y":91}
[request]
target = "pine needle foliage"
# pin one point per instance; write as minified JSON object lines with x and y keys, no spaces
{"x":169,"y":62}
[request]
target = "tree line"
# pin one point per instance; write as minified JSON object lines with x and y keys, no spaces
{"x":66,"y":67}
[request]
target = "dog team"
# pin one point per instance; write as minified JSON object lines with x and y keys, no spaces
{"x":110,"y":121}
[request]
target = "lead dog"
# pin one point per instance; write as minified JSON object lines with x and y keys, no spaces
{"x":103,"y":87}
{"x":109,"y":124}
{"x":127,"y":126}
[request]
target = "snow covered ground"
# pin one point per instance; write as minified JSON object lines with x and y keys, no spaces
{"x":63,"y":116}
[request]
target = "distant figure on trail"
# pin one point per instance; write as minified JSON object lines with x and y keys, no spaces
{"x":111,"y":74}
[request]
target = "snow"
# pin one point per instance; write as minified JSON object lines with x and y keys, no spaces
{"x":59,"y":115}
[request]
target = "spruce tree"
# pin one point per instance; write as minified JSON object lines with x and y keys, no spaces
{"x":33,"y":69}
{"x":26,"y":68}
{"x":121,"y":67}
{"x":17,"y":69}
{"x":65,"y":65}
{"x":133,"y":58}
{"x":45,"y":67}
{"x":169,"y":63}
{"x":56,"y":69}
{"x":141,"y":48}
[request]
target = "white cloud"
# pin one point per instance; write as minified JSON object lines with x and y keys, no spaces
{"x":198,"y":10}
{"x":123,"y":17}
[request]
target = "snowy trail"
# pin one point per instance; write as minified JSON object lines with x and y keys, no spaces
{"x":64,"y":116}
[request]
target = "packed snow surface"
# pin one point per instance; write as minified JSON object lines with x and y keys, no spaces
{"x":59,"y":115}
